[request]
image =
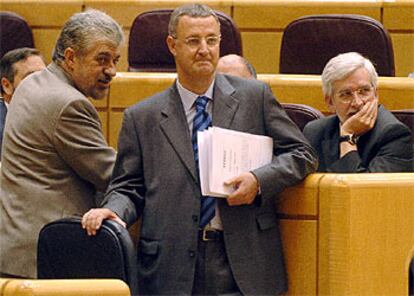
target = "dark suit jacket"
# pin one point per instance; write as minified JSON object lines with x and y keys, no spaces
{"x":385,"y":148}
{"x":155,"y":177}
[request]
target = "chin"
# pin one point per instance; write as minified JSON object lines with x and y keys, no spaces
{"x":99,"y":95}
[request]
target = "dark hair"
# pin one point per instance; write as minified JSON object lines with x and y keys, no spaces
{"x":12,"y":57}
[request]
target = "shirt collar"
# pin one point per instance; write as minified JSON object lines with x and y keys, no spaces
{"x":188,"y":97}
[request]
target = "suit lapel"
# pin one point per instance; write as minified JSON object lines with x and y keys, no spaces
{"x":174,"y":126}
{"x":225,"y":105}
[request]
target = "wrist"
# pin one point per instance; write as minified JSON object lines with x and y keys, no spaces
{"x":349,"y":138}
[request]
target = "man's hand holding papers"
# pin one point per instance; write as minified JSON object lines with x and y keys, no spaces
{"x":246,"y":186}
{"x":226,"y":159}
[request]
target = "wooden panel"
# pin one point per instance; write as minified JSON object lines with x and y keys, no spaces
{"x":403,"y":44}
{"x":398,"y":14}
{"x":277,"y":14}
{"x":103,"y":116}
{"x":302,"y":199}
{"x":130,"y":88}
{"x":101,"y":103}
{"x":45,"y":40}
{"x":125,"y":11}
{"x":115,"y":123}
{"x":122,"y":65}
{"x":396,"y":92}
{"x":366,"y":233}
{"x":303,"y":89}
{"x":262,"y":49}
{"x":299,"y":245}
{"x":43,"y":12}
{"x":90,"y":287}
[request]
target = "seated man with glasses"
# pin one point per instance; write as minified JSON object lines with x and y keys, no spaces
{"x":362,"y":136}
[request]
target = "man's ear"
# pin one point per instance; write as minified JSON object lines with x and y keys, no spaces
{"x":330,"y":104}
{"x":69,"y":55}
{"x":7,"y":86}
{"x":171,"y":45}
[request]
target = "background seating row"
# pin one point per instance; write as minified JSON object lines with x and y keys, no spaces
{"x":396,"y":93}
{"x":261,"y":23}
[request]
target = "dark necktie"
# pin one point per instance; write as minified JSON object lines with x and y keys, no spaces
{"x":202,"y":121}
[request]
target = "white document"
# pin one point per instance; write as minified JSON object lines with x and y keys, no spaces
{"x":224,"y":154}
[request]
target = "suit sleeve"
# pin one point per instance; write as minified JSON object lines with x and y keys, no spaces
{"x":125,"y":195}
{"x":393,"y":153}
{"x":293,"y":157}
{"x":79,"y":141}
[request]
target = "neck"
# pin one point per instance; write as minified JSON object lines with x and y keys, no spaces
{"x":198,"y":86}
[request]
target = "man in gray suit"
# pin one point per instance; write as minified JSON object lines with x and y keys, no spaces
{"x":155,"y":177}
{"x":362,"y":136}
{"x":15,"y":65}
{"x":55,"y":157}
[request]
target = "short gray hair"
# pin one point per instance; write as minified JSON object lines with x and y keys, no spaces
{"x":191,"y":10}
{"x":343,"y":65}
{"x":86,"y":28}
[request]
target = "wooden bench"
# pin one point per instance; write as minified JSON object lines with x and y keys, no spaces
{"x":349,"y":234}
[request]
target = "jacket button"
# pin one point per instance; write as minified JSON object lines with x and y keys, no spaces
{"x":191,"y":253}
{"x":195,"y":218}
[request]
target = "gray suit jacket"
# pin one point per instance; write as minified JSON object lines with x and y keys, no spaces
{"x":54,"y":159}
{"x":155,"y":177}
{"x":385,"y":148}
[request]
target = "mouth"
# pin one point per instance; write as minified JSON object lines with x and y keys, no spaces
{"x":203,"y":62}
{"x":104,"y":83}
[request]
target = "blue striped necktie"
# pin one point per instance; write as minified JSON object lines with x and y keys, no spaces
{"x":202,"y":121}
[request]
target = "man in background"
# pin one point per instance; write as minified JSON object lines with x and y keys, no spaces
{"x":14,"y":66}
{"x":236,"y":65}
{"x":55,"y":157}
{"x":193,"y":244}
{"x":362,"y":136}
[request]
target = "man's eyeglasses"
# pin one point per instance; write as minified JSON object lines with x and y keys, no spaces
{"x":347,"y":95}
{"x":195,"y":42}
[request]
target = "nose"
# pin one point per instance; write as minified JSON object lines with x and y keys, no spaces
{"x":358,"y":99}
{"x":203,"y":46}
{"x":111,"y":69}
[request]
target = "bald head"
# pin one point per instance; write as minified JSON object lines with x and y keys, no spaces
{"x":236,"y":65}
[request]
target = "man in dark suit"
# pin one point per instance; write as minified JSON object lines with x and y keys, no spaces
{"x":15,"y":65}
{"x":361,"y":136}
{"x":239,"y":250}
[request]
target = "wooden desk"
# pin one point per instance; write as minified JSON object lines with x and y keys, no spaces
{"x":349,"y":234}
{"x":72,"y":287}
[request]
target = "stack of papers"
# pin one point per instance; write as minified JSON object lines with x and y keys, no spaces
{"x":224,"y":154}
